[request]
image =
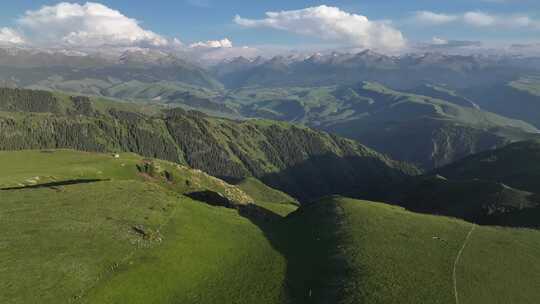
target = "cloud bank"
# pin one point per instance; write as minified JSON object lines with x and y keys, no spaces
{"x":438,"y":42}
{"x":331,"y":24}
{"x":478,"y":19}
{"x":434,"y":18}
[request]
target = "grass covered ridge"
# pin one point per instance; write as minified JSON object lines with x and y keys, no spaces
{"x":122,"y":231}
{"x":114,"y":233}
{"x":376,"y":253}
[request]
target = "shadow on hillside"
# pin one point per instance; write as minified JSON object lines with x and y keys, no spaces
{"x":307,"y":278}
{"x":56,"y":184}
{"x":323,"y":175}
{"x":477,"y":201}
{"x":316,"y":271}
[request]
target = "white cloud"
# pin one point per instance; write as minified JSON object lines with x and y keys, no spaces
{"x":442,"y":43}
{"x":10,"y":36}
{"x":177,"y":43}
{"x":331,"y":24}
{"x":88,"y":25}
{"x":478,"y":19}
{"x":223,"y":43}
{"x":439,"y":41}
{"x":434,"y":18}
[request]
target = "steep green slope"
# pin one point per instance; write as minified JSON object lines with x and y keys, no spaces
{"x":92,"y":228}
{"x":375,"y":253}
{"x":300,"y":161}
{"x":269,"y":198}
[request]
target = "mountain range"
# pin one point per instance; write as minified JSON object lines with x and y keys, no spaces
{"x":496,"y":187}
{"x":449,"y":106}
{"x":151,"y":199}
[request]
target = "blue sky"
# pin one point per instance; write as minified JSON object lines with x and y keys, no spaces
{"x":200,"y":20}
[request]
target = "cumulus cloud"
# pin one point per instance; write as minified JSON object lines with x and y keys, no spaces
{"x":478,"y":19}
{"x":10,"y":36}
{"x":331,"y":24}
{"x":88,"y":25}
{"x":434,"y":18}
{"x":223,"y":43}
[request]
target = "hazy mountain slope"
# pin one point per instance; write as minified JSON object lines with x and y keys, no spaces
{"x":300,"y":161}
{"x":498,"y":187}
{"x":517,"y":99}
{"x":479,"y":201}
{"x":429,"y":142}
{"x":96,"y":74}
{"x":444,"y":94}
{"x":516,"y":165}
{"x":438,"y":131}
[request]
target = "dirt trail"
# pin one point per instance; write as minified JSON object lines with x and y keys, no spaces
{"x":458,"y":257}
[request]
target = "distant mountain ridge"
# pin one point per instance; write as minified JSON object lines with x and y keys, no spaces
{"x":40,"y":69}
{"x":399,"y":72}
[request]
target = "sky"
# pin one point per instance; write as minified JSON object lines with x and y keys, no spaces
{"x":377,"y":24}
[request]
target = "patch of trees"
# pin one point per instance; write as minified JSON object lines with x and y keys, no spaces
{"x":20,"y":100}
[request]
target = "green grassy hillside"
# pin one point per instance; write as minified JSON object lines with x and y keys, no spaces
{"x":91,"y":228}
{"x":375,"y":253}
{"x":269,"y":198}
{"x":84,"y":227}
{"x":302,"y":162}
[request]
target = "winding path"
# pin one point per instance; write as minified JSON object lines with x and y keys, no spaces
{"x":458,"y":257}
